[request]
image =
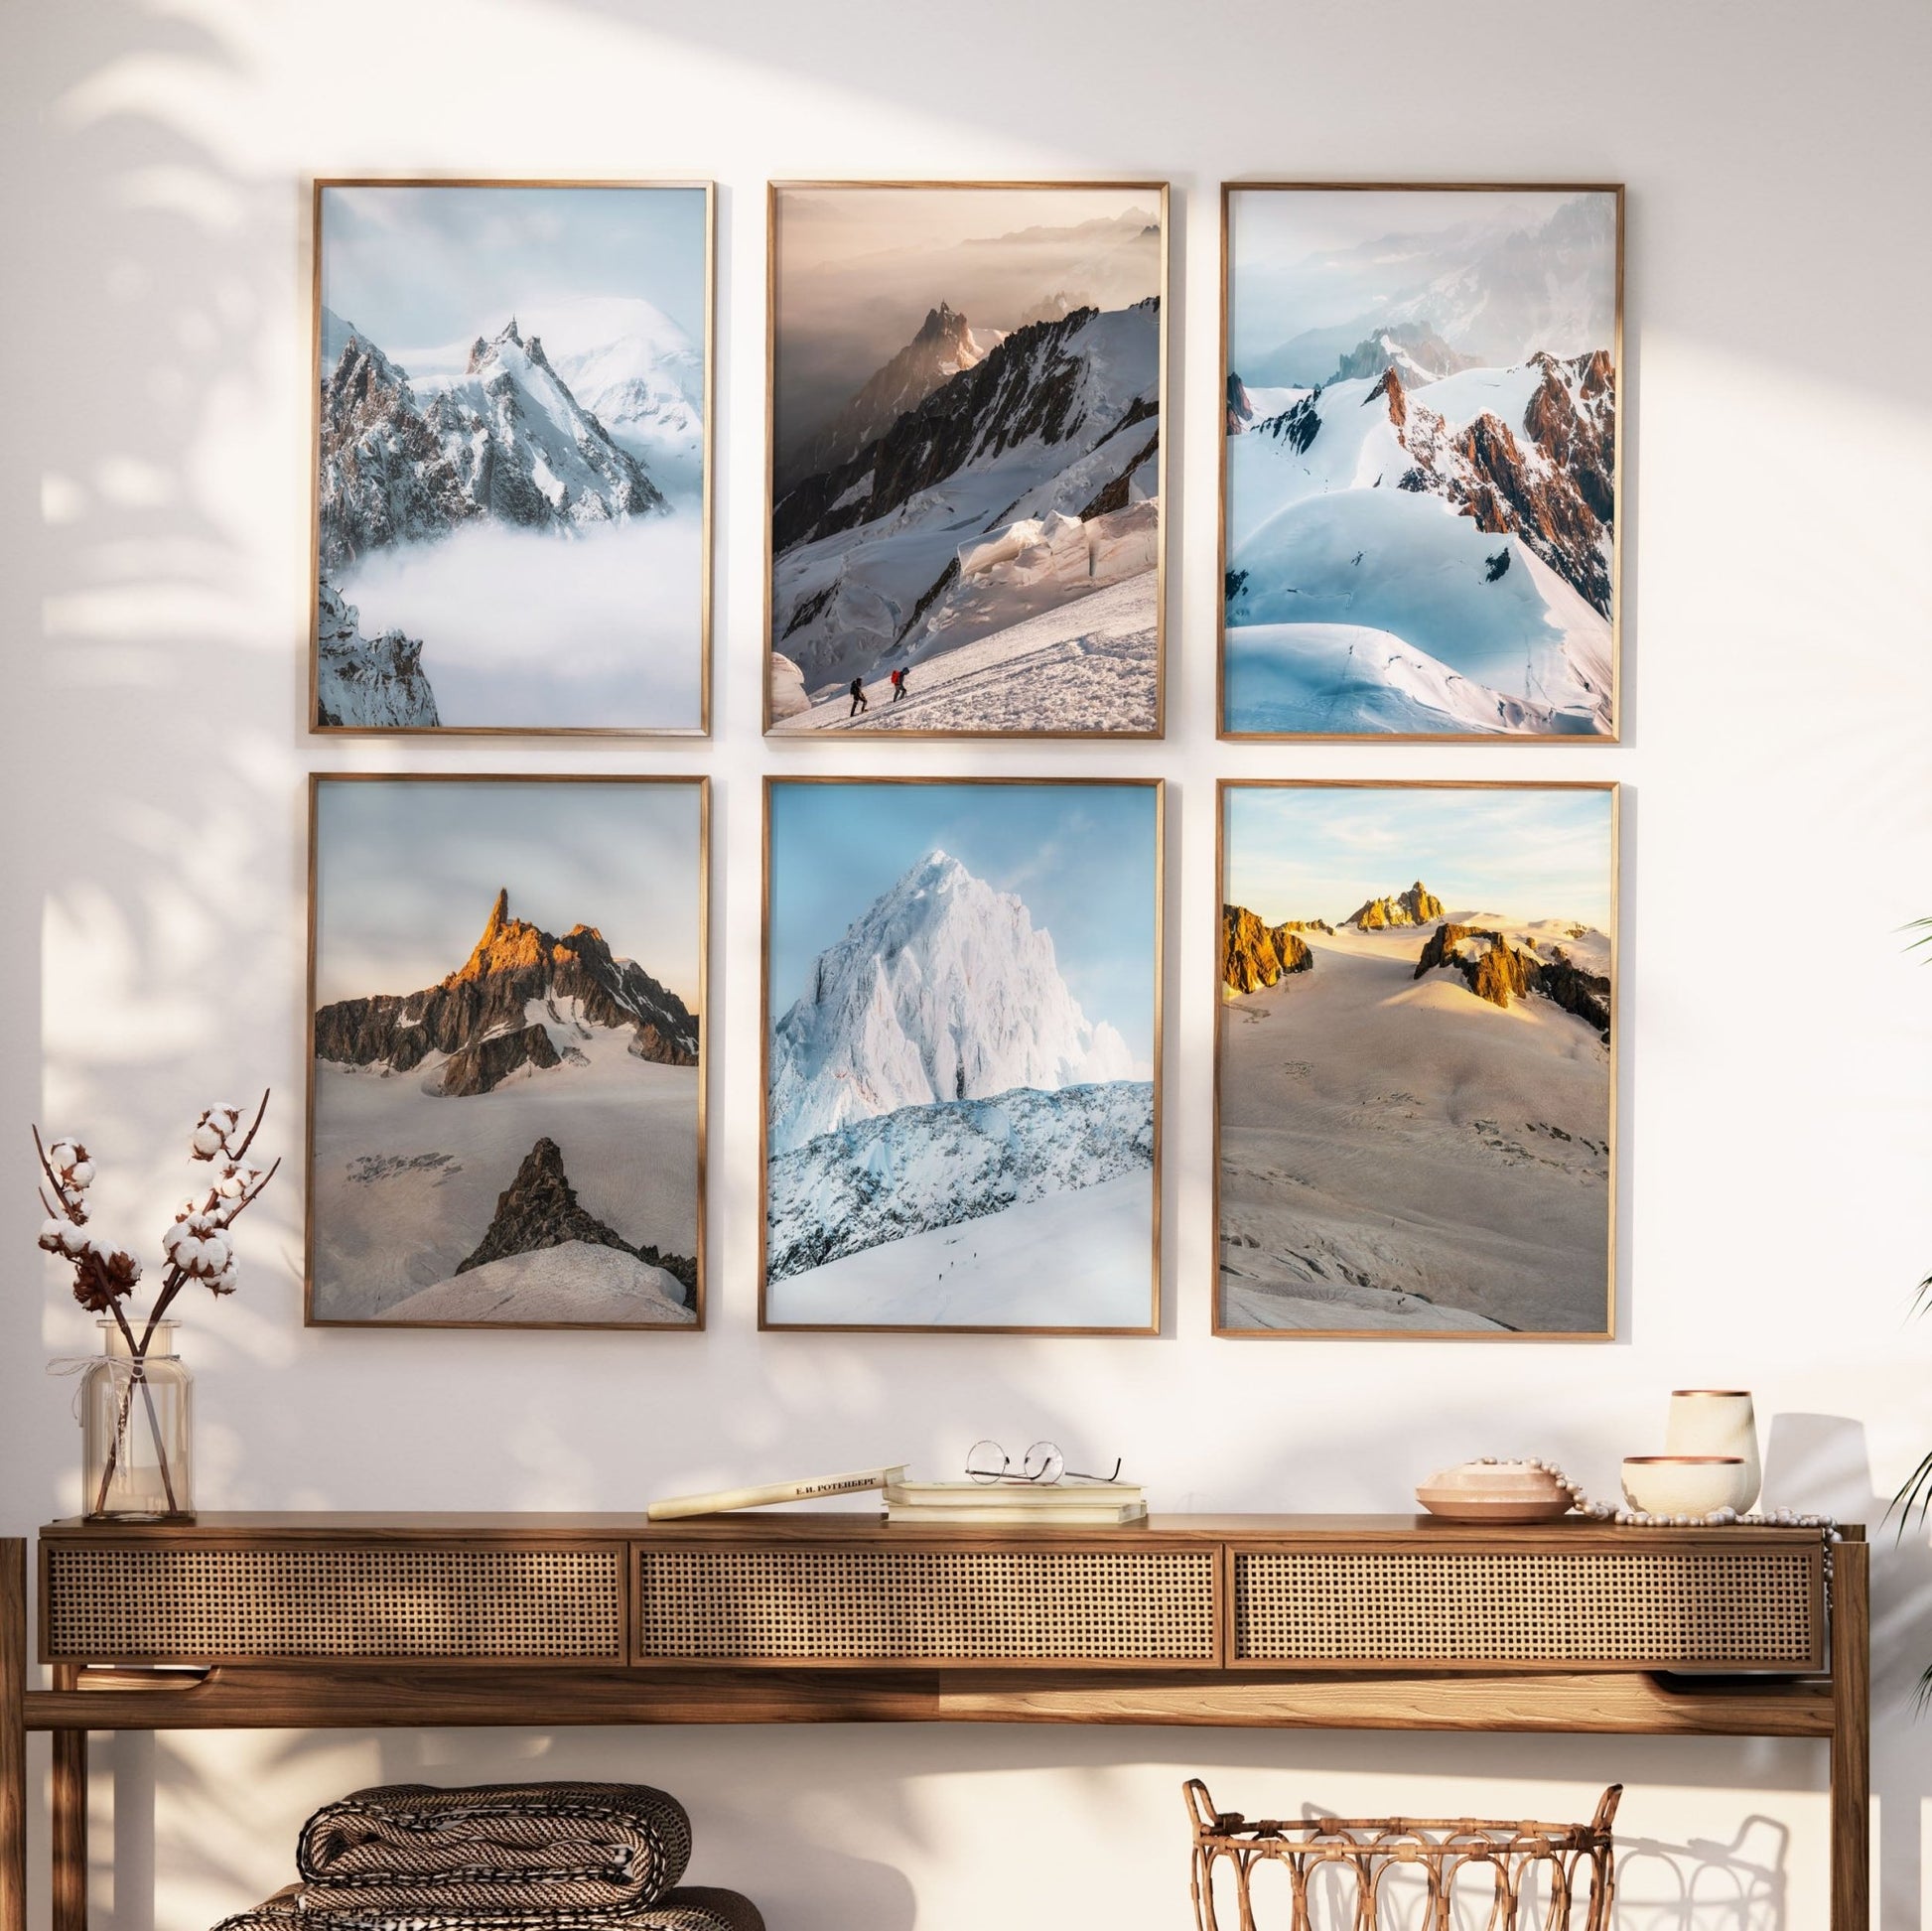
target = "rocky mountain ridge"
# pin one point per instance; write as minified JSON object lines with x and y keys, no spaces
{"x":1254,"y":955}
{"x":944,"y":344}
{"x":506,"y":441}
{"x":1412,"y":347}
{"x":1498,"y":970}
{"x":540,"y":1208}
{"x":480,"y":1017}
{"x":374,"y":681}
{"x":1549,"y":480}
{"x":1029,"y":387}
{"x":1416,"y":907}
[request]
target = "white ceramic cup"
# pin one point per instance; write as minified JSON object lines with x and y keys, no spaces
{"x":1686,"y":1485}
{"x":1716,"y":1421}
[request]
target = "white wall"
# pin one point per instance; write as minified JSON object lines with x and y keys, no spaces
{"x":154,"y":379}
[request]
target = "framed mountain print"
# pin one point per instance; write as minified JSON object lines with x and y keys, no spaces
{"x":962,"y":1050}
{"x":1421,"y":501}
{"x":1416,"y":1061}
{"x":965,"y":521}
{"x":506,"y":1098}
{"x":512,"y":495}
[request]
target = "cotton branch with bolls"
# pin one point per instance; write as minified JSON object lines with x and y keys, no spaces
{"x":199,"y":1243}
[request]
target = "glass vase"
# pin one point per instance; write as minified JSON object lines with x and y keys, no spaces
{"x":136,"y":1429}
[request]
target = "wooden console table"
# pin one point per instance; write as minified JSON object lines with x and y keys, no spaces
{"x":1344,"y":1623}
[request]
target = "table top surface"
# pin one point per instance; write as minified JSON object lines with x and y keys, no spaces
{"x":821,"y":1526}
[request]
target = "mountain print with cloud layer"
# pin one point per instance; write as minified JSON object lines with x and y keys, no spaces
{"x":937,"y":1072}
{"x":432,"y":460}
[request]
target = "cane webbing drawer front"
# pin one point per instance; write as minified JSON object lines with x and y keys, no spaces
{"x":1752,"y":1608}
{"x":1099,"y":1607}
{"x":211,"y":1603}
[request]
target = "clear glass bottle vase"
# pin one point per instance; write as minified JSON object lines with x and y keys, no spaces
{"x":137,"y":1431}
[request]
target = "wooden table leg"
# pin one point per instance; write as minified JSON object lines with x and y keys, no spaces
{"x":12,"y":1733}
{"x":67,"y":1818}
{"x":1852,"y":1736}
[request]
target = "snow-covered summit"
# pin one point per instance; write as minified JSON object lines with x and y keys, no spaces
{"x":943,"y":989}
{"x":625,"y":361}
{"x":528,"y":450}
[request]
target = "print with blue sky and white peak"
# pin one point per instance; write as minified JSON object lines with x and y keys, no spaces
{"x":960,"y":1097}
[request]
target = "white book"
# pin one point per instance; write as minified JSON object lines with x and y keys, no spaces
{"x":975,"y":1496}
{"x":813,"y":1488}
{"x":1097,"y":1516}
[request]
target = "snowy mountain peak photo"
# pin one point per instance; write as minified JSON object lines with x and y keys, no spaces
{"x":962,"y":984}
{"x":518,"y":1140}
{"x":502,"y":364}
{"x":522,"y":999}
{"x":1025,"y":387}
{"x":1420,"y":467}
{"x":944,"y":989}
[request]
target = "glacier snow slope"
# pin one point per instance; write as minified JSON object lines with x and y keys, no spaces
{"x":1323,"y":537}
{"x":1092,"y":664}
{"x":1068,"y":1260}
{"x":887,"y":1178}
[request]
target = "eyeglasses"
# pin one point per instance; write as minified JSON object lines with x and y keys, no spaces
{"x":987,"y":1462}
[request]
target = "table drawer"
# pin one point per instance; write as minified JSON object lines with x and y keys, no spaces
{"x":1104,"y":1608}
{"x":212,"y":1602}
{"x":1752,"y":1608}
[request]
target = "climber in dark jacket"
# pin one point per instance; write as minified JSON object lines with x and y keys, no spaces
{"x":858,"y":698}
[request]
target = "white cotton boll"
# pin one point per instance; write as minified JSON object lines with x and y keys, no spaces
{"x":215,"y":1249}
{"x":84,"y":1173}
{"x":205,"y":1141}
{"x":63,"y":1152}
{"x":230,"y":1190}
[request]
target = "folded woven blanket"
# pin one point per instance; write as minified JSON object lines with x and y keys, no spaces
{"x":689,"y":1907}
{"x":546,"y":1855}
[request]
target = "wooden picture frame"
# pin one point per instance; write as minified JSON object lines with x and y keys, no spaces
{"x":373,"y":645}
{"x":1385,"y":657}
{"x":880,"y":1114}
{"x":1420,"y":1146}
{"x":403,"y":1167}
{"x":1010,"y":565}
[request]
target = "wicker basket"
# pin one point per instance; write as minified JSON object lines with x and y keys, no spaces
{"x":1375,"y":1874}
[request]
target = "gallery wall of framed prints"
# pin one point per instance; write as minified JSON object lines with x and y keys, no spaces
{"x":965,"y":512}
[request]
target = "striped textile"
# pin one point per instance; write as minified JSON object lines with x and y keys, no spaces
{"x":543,"y":1857}
{"x":690,"y":1907}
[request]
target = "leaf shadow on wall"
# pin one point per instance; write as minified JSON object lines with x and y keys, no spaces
{"x":1820,"y":1465}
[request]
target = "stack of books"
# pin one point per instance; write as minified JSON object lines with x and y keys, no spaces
{"x":1031,"y":1505}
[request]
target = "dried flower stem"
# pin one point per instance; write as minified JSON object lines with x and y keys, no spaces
{"x":103,"y":1277}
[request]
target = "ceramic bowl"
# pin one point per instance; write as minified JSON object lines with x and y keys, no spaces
{"x":1495,"y":1491}
{"x":1686,"y":1485}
